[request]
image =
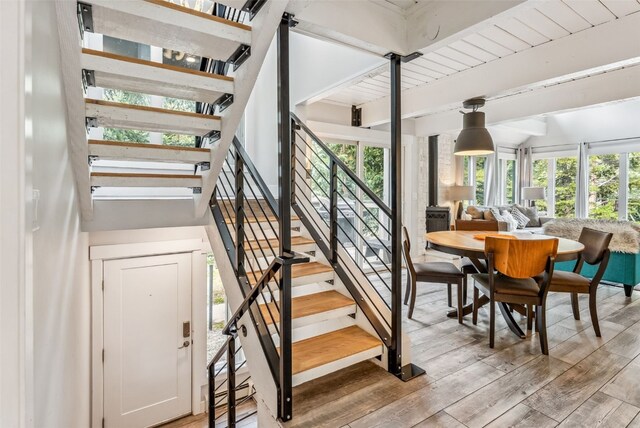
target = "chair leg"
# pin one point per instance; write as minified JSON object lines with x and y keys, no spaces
{"x":492,"y":323}
{"x":407,"y":292}
{"x":575,"y":306}
{"x":475,"y":305}
{"x":413,"y":299}
{"x":460,"y":304}
{"x":449,"y":295}
{"x":593,"y":310}
{"x":464,"y":290}
{"x":529,"y":317}
{"x":541,"y":326}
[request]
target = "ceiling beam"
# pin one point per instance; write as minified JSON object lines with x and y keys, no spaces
{"x":606,"y":87}
{"x":533,"y":126}
{"x":437,"y":23}
{"x":342,"y":22}
{"x":601,"y":45}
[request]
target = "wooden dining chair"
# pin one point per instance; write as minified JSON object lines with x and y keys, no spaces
{"x":512,"y":266}
{"x":434,"y":272}
{"x":466,"y":265}
{"x":596,"y":251}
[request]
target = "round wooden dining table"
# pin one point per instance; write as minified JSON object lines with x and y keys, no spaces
{"x":465,"y":243}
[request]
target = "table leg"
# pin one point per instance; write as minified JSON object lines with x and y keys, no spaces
{"x":466,"y":310}
{"x":511,"y":323}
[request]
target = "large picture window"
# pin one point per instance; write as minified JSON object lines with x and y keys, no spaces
{"x":604,"y":186}
{"x":558,"y":176}
{"x":474,"y":175}
{"x":633,"y":204}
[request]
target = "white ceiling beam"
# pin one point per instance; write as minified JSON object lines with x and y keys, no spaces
{"x":605,"y":44}
{"x":325,"y":130}
{"x":364,"y":25}
{"x":437,"y":23}
{"x":607,"y":87}
{"x":534,"y":126}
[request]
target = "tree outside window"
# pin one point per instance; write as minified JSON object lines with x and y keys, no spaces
{"x":541,"y":179}
{"x":565,"y":191}
{"x":633,"y":210}
{"x":604,"y":186}
{"x":480,"y":176}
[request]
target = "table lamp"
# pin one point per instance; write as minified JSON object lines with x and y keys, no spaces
{"x":458,"y":194}
{"x":533,"y":194}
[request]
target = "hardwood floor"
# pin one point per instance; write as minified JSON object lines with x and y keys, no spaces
{"x":585,"y":381}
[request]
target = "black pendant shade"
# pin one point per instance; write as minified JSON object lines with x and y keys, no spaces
{"x":474,"y":139}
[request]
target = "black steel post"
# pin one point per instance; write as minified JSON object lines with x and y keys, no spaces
{"x":212,"y":395}
{"x":285,"y":405}
{"x":231,"y":382}
{"x":333,"y":209}
{"x":395,"y":351}
{"x":239,"y":214}
{"x":433,"y":171}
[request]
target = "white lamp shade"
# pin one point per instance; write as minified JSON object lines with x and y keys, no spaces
{"x":533,"y":193}
{"x":462,"y":193}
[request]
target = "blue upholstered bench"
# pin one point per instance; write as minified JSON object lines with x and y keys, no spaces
{"x":623,"y":268}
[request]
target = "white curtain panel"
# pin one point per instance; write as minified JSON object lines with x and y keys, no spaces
{"x":492,"y":179}
{"x":525,"y":165}
{"x":582,"y":186}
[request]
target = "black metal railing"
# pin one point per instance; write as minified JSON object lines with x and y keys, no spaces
{"x":248,"y":219}
{"x":350,"y":223}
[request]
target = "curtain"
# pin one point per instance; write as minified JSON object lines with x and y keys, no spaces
{"x":525,"y":166}
{"x":582,"y":186}
{"x":492,"y":180}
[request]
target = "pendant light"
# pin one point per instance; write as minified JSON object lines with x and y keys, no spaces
{"x":474,"y":139}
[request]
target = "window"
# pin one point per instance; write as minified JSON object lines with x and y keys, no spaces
{"x":540,"y":178}
{"x":474,"y":175}
{"x":566,"y":173}
{"x":604,"y":186}
{"x":507,"y":181}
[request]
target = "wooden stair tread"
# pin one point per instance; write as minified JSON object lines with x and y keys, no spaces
{"x":310,"y":304}
{"x":147,"y":146}
{"x":171,"y":26}
{"x":274,"y":243}
{"x":124,"y":179}
{"x":154,"y":78}
{"x":150,"y":109}
{"x":139,"y":175}
{"x":297,"y":271}
{"x":327,"y":348}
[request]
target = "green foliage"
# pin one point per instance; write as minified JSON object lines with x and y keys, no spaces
{"x":374,"y":169}
{"x":633,"y":210}
{"x":604,"y":184}
{"x":480,"y":177}
{"x":130,"y":135}
{"x":510,"y":186}
{"x":566,"y":179}
{"x":541,"y":179}
{"x":179,"y":139}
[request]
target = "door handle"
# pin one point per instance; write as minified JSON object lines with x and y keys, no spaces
{"x":185,"y":344}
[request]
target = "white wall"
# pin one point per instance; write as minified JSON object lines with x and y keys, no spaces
{"x":604,"y":122}
{"x":61,"y":304}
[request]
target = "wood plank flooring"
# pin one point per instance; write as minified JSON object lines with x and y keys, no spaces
{"x":585,"y":381}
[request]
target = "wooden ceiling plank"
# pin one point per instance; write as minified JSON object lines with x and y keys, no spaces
{"x":621,"y":8}
{"x":415,"y":66}
{"x":423,"y":62}
{"x":591,"y":10}
{"x":542,"y":24}
{"x":434,"y":57}
{"x":460,"y":57}
{"x":504,"y":38}
{"x":521,"y":30}
{"x":472,"y":50}
{"x":563,"y":15}
{"x":481,"y":42}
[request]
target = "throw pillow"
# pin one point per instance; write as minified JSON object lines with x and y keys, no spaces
{"x":465,"y":216}
{"x":522,"y":219}
{"x":496,"y":214}
{"x":488,"y":215}
{"x":475,"y":212}
{"x":512,"y":223}
{"x":531,"y":213}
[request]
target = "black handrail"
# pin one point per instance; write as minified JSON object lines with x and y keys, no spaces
{"x":375,"y":198}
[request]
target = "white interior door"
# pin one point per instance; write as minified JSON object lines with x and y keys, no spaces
{"x":147,"y":343}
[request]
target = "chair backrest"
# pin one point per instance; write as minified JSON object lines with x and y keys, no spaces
{"x":406,"y":247}
{"x":482,"y":225}
{"x":520,"y":258}
{"x":596,"y":243}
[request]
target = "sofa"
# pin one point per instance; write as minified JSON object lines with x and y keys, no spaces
{"x":624,"y":263}
{"x":483,"y":213}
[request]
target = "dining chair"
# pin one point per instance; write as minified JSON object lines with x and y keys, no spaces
{"x":596,"y":251}
{"x":466,"y":265}
{"x":434,"y":272}
{"x":513,"y":265}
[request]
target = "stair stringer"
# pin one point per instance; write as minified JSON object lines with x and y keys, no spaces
{"x":266,"y":388}
{"x":367,"y":295}
{"x":264,"y":26}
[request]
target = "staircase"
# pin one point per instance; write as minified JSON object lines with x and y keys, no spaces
{"x":314,"y":286}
